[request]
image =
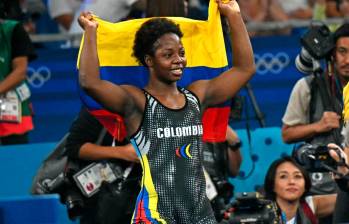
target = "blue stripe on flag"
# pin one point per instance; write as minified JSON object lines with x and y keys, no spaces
{"x":138,"y":76}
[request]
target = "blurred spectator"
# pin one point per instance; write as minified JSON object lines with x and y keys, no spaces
{"x":297,"y":9}
{"x":63,"y":12}
{"x":167,"y":8}
{"x":336,"y":8}
{"x":66,"y":13}
{"x":109,"y":10}
{"x":32,"y":10}
{"x":15,"y":52}
{"x":25,"y":11}
{"x":198,"y":9}
{"x":262,"y":11}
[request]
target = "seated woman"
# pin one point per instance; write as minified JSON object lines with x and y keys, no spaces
{"x":287,"y":184}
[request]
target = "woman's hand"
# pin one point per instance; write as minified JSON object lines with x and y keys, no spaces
{"x":338,"y":155}
{"x":86,"y":21}
{"x":226,"y":7}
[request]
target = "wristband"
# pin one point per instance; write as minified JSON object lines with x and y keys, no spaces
{"x":235,"y":145}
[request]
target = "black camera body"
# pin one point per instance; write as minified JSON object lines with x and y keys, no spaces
{"x":63,"y":184}
{"x":317,"y":43}
{"x":249,"y":207}
{"x":71,"y":194}
{"x":314,"y":158}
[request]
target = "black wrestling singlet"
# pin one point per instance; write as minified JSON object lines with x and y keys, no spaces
{"x":170,"y":149}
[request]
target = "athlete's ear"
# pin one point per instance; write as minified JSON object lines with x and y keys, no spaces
{"x":148,"y":60}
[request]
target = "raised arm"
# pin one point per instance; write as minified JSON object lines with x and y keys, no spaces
{"x":228,"y":83}
{"x":111,"y":96}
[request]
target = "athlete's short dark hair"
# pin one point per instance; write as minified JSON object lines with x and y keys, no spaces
{"x":149,"y":33}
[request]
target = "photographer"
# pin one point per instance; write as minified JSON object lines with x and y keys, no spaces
{"x":305,"y":118}
{"x":314,"y":108}
{"x":16,"y":51}
{"x":287,"y":184}
{"x":221,"y":161}
{"x":110,"y":205}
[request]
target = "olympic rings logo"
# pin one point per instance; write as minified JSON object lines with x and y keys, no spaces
{"x":271,"y":63}
{"x":37,"y":78}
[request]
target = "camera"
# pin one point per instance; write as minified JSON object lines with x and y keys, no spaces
{"x":314,"y":158}
{"x":317,"y":43}
{"x":225,"y":192}
{"x":250,"y":207}
{"x":63,"y":184}
{"x":74,"y":202}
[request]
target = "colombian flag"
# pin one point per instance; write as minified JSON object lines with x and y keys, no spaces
{"x":206,"y":58}
{"x":346,"y":103}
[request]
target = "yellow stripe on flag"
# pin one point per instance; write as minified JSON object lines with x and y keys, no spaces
{"x":203,"y":41}
{"x":346,"y":103}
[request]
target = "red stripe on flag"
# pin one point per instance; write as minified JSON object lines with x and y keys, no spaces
{"x":114,"y":123}
{"x":215,"y":122}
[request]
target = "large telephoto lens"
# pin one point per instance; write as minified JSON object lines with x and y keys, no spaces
{"x":304,"y":62}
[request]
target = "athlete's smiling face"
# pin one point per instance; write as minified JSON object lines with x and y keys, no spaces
{"x":169,"y":58}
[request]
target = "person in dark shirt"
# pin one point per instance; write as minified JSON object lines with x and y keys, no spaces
{"x":107,"y":206}
{"x":221,"y":161}
{"x":16,"y":50}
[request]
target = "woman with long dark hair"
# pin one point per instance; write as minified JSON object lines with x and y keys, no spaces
{"x":287,"y":184}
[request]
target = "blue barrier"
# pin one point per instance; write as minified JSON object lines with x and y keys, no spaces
{"x":265,"y":146}
{"x":43,"y":209}
{"x":53,"y":82}
{"x":18,"y":165}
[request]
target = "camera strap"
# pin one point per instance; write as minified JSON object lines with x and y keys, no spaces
{"x":320,"y":84}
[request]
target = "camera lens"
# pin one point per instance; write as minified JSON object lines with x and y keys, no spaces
{"x":304,"y":62}
{"x":74,"y":203}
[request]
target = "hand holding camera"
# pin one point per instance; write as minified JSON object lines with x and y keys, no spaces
{"x":340,"y":157}
{"x":315,"y":158}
